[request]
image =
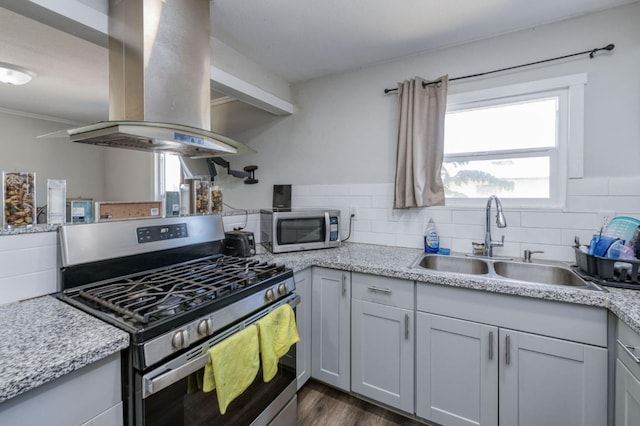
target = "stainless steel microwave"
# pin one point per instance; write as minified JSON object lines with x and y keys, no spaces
{"x":299,"y":229}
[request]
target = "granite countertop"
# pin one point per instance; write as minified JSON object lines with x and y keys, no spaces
{"x":58,"y":338}
{"x":45,"y":338}
{"x":396,"y":261}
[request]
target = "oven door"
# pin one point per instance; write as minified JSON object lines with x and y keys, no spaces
{"x":172,"y":394}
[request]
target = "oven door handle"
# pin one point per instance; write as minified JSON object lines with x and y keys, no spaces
{"x":165,"y":379}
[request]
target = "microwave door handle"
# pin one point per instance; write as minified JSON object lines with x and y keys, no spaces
{"x":327,"y":227}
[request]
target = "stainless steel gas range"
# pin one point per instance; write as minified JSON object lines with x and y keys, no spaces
{"x":167,"y":283}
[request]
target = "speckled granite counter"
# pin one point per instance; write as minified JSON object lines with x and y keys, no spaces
{"x":59,"y":339}
{"x":396,"y":261}
{"x":44,"y":338}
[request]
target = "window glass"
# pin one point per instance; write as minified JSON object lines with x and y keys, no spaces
{"x":507,"y":126}
{"x":526,"y":177}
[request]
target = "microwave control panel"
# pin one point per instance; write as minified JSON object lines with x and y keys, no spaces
{"x":333,"y":228}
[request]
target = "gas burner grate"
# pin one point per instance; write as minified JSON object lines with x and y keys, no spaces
{"x":153,"y":295}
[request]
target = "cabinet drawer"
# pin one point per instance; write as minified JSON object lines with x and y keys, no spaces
{"x":631,"y":340}
{"x":383,"y":290}
{"x":578,"y":323}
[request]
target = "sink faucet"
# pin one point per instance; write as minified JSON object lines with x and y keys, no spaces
{"x":500,"y":221}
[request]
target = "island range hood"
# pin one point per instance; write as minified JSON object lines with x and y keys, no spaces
{"x":159,"y":74}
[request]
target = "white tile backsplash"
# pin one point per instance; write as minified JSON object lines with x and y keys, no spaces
{"x":28,"y":265}
{"x":28,"y":262}
{"x":550,"y":230}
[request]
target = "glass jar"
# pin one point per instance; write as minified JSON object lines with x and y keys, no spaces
{"x":202,"y":197}
{"x":216,"y":199}
{"x":19,"y":194}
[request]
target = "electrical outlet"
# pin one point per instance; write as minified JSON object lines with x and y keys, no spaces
{"x":354,"y":212}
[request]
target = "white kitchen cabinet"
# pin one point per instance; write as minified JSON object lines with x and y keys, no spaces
{"x":473,"y":367}
{"x":627,"y":396}
{"x":456,"y":371}
{"x":330,"y":327}
{"x":382,"y":340}
{"x":91,"y":395}
{"x":547,"y":381}
{"x":627,"y":380}
{"x":303,"y":321}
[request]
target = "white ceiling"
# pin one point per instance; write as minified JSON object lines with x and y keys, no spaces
{"x":296,"y":39}
{"x":303,"y":39}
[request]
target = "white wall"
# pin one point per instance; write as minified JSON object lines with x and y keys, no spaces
{"x":345,"y":128}
{"x":51,"y":158}
{"x":343,"y":136}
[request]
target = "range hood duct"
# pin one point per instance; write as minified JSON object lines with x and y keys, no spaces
{"x":159,"y":73}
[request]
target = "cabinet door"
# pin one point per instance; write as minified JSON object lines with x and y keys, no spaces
{"x":382,"y":353}
{"x":303,"y":321}
{"x":457,"y":371}
{"x":330,"y":327}
{"x":627,"y":397}
{"x":546,"y":381}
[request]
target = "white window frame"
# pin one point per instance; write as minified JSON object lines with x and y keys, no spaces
{"x":568,"y":160}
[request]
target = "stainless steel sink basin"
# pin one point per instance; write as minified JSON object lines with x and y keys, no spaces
{"x":506,"y":271}
{"x":538,"y":273}
{"x":460,"y":265}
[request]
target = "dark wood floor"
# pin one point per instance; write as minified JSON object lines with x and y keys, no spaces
{"x":321,"y":405}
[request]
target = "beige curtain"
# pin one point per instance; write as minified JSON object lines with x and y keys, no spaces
{"x":420,"y":143}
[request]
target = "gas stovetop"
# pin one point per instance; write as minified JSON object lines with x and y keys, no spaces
{"x":147,"y":297}
{"x":165,"y":281}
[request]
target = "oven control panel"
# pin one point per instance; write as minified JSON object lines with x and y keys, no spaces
{"x":149,"y":234}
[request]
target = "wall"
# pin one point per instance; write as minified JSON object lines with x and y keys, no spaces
{"x":51,"y":158}
{"x":342,"y":138}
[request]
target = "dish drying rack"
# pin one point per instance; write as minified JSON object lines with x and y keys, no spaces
{"x":622,"y":273}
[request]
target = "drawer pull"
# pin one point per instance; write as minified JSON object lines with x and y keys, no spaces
{"x":380,"y":290}
{"x":629,"y":349}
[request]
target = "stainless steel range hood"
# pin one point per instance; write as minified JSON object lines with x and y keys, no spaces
{"x":159,"y":73}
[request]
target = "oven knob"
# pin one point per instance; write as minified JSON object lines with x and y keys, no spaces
{"x":282,"y":289}
{"x":205,"y":327}
{"x":270,"y":296}
{"x":180,"y":339}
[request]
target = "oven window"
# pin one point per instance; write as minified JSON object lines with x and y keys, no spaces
{"x":297,"y":231}
{"x":185,"y":404}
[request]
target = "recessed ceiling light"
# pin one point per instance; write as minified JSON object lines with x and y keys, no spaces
{"x":13,"y":74}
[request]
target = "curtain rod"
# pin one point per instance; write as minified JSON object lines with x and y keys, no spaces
{"x":591,"y":53}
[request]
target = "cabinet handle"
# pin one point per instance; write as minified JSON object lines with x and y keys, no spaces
{"x":344,"y":284}
{"x":507,"y":353}
{"x":629,"y":349}
{"x":490,"y":345}
{"x":380,"y":290}
{"x":406,"y":326}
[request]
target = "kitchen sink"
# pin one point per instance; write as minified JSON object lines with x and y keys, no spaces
{"x":540,"y":273}
{"x":460,"y":265}
{"x":505,"y":270}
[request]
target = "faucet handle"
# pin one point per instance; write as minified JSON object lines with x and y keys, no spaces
{"x":528,"y":253}
{"x":498,"y":244}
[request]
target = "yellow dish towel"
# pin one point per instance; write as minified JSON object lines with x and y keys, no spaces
{"x":233,"y":365}
{"x":277,"y":332}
